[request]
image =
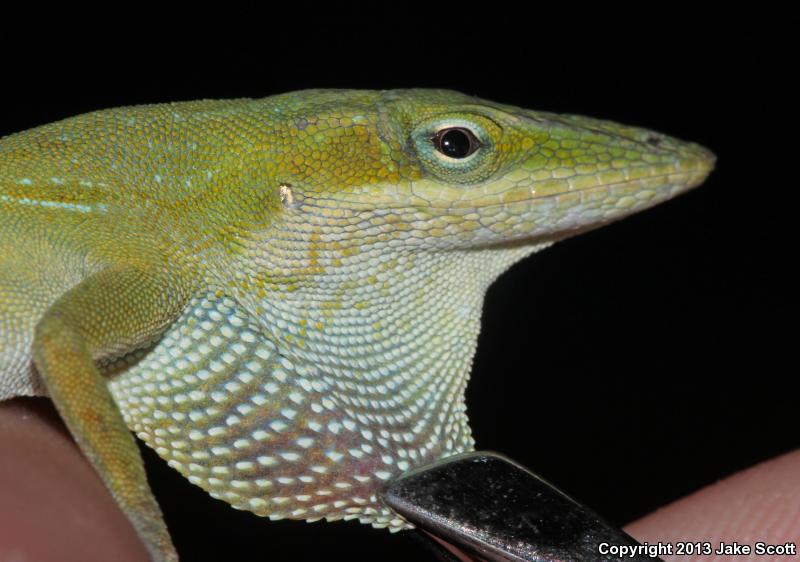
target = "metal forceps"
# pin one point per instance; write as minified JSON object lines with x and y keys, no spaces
{"x":494,"y":510}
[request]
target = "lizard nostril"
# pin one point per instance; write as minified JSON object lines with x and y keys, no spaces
{"x":653,"y":140}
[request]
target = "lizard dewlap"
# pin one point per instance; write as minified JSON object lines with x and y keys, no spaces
{"x":282,"y":296}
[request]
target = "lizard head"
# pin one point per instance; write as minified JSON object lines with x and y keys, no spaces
{"x":442,"y":169}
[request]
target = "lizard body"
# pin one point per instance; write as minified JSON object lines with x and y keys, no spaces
{"x":282,"y":296}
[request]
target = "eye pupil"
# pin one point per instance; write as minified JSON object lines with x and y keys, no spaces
{"x":456,"y":142}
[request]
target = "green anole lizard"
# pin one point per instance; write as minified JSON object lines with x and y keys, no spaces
{"x":282,"y":296}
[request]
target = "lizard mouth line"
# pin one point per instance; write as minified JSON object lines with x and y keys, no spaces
{"x":693,"y":172}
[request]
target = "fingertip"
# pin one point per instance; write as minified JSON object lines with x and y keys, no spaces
{"x":53,"y":506}
{"x":761,"y":503}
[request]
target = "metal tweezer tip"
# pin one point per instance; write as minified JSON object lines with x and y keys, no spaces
{"x":494,"y":510}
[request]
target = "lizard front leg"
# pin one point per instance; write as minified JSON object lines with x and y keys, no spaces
{"x":110,"y":312}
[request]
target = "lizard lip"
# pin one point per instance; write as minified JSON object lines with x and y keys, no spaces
{"x":699,"y":157}
{"x":690,"y":174}
{"x":700,"y":165}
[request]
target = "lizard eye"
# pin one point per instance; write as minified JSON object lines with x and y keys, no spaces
{"x":458,"y":147}
{"x":456,"y":142}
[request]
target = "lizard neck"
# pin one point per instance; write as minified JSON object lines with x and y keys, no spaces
{"x":396,"y":331}
{"x":304,"y":401}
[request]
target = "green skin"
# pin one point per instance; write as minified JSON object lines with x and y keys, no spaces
{"x":282,"y":296}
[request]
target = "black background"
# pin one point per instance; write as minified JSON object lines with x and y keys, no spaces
{"x":629,"y":366}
